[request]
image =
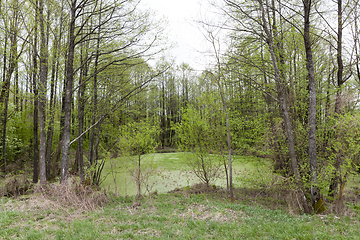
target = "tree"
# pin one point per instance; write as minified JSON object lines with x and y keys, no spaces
{"x":202,"y":133}
{"x":138,"y":139}
{"x":218,"y":79}
{"x":257,"y":23}
{"x":127,"y":31}
{"x":315,"y":192}
{"x":42,"y":91}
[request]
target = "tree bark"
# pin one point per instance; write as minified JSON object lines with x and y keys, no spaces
{"x":53,"y":87}
{"x":315,"y":192}
{"x":36,"y":111}
{"x":42,"y":92}
{"x":95,"y":102}
{"x":338,"y":111}
{"x":81,"y":110}
{"x":8,"y":72}
{"x":68,"y":96}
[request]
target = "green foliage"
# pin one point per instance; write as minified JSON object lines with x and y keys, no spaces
{"x":202,"y":132}
{"x":19,"y":135}
{"x":249,"y":133}
{"x":341,"y":139}
{"x":256,"y":174}
{"x":137,"y":140}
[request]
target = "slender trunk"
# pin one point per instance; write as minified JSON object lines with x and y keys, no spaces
{"x":139,"y":176}
{"x":315,"y":192}
{"x":16,"y":88}
{"x":5,"y":91}
{"x":218,"y":81}
{"x":42,"y":93}
{"x":95,"y":101}
{"x":50,"y":131}
{"x":338,"y":110}
{"x":36,"y":111}
{"x":356,"y":44}
{"x":96,"y":174}
{"x":95,"y":97}
{"x":68,"y":97}
{"x":278,"y":159}
{"x":4,"y":120}
{"x":81,"y":110}
{"x":163,"y":120}
{"x":2,"y":100}
{"x":54,"y":81}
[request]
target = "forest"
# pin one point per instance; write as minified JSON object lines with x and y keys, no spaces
{"x":84,"y":82}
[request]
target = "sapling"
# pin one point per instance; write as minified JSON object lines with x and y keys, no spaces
{"x":137,"y":141}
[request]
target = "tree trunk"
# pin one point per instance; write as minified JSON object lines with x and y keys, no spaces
{"x":218,"y":80}
{"x":53,"y":87}
{"x":315,"y":192}
{"x":42,"y":93}
{"x":95,"y":102}
{"x":2,"y":100}
{"x":36,"y":112}
{"x":280,"y":88}
{"x":5,"y":90}
{"x":81,"y":110}
{"x":338,"y":111}
{"x":68,"y":97}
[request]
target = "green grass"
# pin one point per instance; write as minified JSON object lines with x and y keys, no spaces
{"x":174,"y":173}
{"x":177,"y":215}
{"x":168,"y":216}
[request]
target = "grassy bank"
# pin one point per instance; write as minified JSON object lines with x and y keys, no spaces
{"x":167,"y":216}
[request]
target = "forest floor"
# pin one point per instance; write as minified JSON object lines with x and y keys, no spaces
{"x":184,"y":213}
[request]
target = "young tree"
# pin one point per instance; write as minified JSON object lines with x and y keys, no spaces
{"x":136,"y":141}
{"x":218,"y":79}
{"x":202,"y":133}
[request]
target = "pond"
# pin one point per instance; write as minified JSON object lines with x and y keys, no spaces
{"x":172,"y":172}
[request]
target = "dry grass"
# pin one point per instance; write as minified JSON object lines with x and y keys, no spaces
{"x":73,"y":195}
{"x":14,"y":185}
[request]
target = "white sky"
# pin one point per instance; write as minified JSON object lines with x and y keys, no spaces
{"x":182,"y":15}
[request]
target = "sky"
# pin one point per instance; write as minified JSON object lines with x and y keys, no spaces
{"x":190,"y":44}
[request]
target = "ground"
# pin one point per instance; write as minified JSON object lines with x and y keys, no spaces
{"x":263,"y":208}
{"x":191,"y":213}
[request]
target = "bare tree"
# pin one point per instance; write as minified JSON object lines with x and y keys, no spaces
{"x":218,"y":78}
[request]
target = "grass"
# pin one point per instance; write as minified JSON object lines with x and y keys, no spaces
{"x":258,"y":211}
{"x":167,"y":216}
